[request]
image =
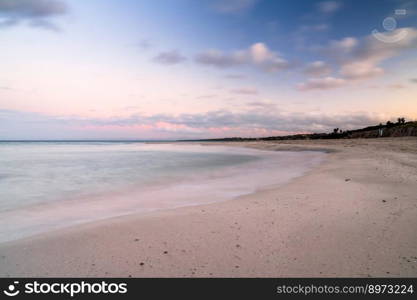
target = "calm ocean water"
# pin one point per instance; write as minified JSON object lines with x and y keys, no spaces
{"x":50,"y":185}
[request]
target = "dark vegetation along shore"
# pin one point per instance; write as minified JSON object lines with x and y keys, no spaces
{"x":390,"y":129}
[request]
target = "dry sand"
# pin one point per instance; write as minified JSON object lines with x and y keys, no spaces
{"x":354,"y":215}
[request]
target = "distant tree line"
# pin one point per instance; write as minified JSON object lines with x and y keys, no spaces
{"x":337,"y":133}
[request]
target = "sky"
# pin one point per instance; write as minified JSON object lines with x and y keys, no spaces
{"x":186,"y":69}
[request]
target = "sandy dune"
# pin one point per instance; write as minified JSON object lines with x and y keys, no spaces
{"x":354,"y":215}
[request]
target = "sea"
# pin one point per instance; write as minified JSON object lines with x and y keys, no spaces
{"x":49,"y":185}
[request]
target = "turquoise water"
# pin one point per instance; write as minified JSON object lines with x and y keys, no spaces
{"x":50,"y":185}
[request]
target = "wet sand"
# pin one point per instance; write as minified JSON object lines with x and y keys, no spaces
{"x":353,"y":215}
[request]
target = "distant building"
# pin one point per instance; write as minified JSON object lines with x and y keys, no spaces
{"x":380,"y":131}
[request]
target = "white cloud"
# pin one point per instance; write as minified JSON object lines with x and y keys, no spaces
{"x":37,"y":13}
{"x":23,"y":125}
{"x":318,"y":68}
{"x":339,"y":50}
{"x":257,"y":55}
{"x":366,"y":58}
{"x":360,"y":59}
{"x":321,"y":84}
{"x":262,"y":105}
{"x":360,"y":70}
{"x":245,"y":91}
{"x":169,"y":57}
{"x":376,"y":50}
{"x":329,"y":7}
{"x":218,"y":59}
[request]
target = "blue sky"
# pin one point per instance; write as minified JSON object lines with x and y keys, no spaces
{"x":212,"y":68}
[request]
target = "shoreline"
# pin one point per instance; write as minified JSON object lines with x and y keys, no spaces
{"x":355,"y":214}
{"x":215,"y":182}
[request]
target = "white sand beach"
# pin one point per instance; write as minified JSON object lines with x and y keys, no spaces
{"x":353,"y":215}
